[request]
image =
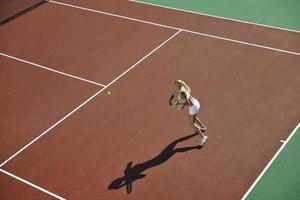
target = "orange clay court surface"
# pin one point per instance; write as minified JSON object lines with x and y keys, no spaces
{"x":62,"y":136}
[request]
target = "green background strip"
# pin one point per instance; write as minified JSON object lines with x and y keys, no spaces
{"x":282,"y":180}
{"x":278,"y":13}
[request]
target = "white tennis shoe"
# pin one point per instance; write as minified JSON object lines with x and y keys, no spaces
{"x":203,"y":140}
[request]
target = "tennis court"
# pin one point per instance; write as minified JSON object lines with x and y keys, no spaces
{"x":64,"y":137}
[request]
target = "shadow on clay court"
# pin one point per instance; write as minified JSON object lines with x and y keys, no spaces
{"x":133,"y":173}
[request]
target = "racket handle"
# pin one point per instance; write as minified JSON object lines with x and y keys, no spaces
{"x":171,"y":97}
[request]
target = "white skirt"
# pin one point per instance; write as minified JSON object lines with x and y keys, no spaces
{"x":194,"y":109}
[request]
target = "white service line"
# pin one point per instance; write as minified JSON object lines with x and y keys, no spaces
{"x":49,"y":69}
{"x":85,"y":102}
{"x":214,"y":16}
{"x":271,"y":161}
{"x":31,"y":184}
{"x":176,"y":28}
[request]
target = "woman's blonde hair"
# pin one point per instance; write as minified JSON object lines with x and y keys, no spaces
{"x":180,"y":84}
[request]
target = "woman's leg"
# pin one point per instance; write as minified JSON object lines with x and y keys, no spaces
{"x":192,"y":119}
{"x":200,"y":123}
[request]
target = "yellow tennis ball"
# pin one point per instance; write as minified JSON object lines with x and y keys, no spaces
{"x":109,"y":93}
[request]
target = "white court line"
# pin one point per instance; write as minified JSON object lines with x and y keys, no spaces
{"x":271,"y":161}
{"x":175,"y":28}
{"x":49,"y":69}
{"x":110,"y":14}
{"x":85,"y":102}
{"x":215,"y":16}
{"x":245,"y":43}
{"x":57,"y":123}
{"x":32,"y":185}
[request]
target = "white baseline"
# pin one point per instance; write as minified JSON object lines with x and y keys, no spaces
{"x":176,"y":28}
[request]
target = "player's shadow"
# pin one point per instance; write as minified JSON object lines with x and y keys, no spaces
{"x":133,"y":173}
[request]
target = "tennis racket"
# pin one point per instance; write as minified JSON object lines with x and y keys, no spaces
{"x":170,"y":100}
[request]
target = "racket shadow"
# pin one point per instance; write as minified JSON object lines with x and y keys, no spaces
{"x":133,"y":173}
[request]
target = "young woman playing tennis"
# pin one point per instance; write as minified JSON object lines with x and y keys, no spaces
{"x":185,"y":98}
